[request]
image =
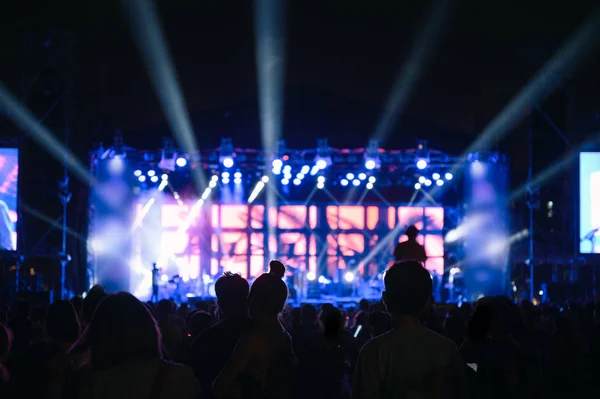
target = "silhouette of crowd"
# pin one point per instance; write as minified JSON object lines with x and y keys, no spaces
{"x":252,"y":344}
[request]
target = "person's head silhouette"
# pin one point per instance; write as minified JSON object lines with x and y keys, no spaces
{"x":268,"y":293}
{"x":62,"y":323}
{"x":121,"y":330}
{"x":232,"y":295}
{"x":407,"y":289}
{"x":412,"y":232}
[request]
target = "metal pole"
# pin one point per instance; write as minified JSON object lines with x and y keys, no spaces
{"x":530,"y":205}
{"x":65,"y":195}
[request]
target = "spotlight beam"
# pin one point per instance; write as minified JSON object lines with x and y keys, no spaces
{"x":269,"y":31}
{"x":565,"y":61}
{"x":410,"y":73}
{"x":27,"y":121}
{"x":151,"y":42}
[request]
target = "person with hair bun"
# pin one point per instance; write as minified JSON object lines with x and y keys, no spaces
{"x":263,"y":364}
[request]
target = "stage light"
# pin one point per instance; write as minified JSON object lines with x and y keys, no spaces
{"x":315,"y":169}
{"x":154,"y":179}
{"x":344,"y":182}
{"x":321,"y":179}
{"x":422,"y":179}
{"x":478,"y":169}
{"x":237,"y":180}
{"x":305,"y":169}
{"x":372,"y":155}
{"x":151,"y":173}
{"x":181,"y":162}
{"x":541,"y":292}
{"x":417,"y":186}
{"x":421,"y":164}
{"x":287,"y":175}
{"x":237,"y":175}
{"x":287,"y":168}
{"x":265,"y":179}
{"x":311,"y":276}
{"x":349,"y":277}
{"x":212,"y":184}
{"x":448,"y":176}
{"x":323,"y":280}
{"x":285,"y":182}
{"x":227,"y":162}
{"x":297,"y":182}
{"x":165,"y":176}
{"x":277,"y":172}
{"x":372,"y":179}
{"x":369,"y":186}
{"x":225,"y":180}
{"x":435,"y":176}
{"x":439,"y":182}
{"x":356,"y":182}
{"x":320,"y":186}
{"x":362,"y":176}
{"x":137,"y":173}
{"x":321,"y":164}
{"x":225,"y":175}
{"x":277,"y":164}
{"x":142,"y":178}
{"x":428,"y":182}
{"x":164,"y":278}
{"x":214,"y":178}
{"x":350,"y":176}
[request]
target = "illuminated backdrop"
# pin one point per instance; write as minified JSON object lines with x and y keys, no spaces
{"x":327,"y":238}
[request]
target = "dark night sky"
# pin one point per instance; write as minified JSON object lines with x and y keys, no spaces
{"x":342,"y":59}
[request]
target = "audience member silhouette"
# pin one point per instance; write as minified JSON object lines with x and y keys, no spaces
{"x":214,"y":346}
{"x":409,"y":360}
{"x":90,"y":303}
{"x":21,"y":326}
{"x":125,"y":356}
{"x":172,"y":334}
{"x":46,"y":361}
{"x":379,"y":323}
{"x":263,"y":364}
{"x":410,"y":250}
{"x":5,"y":347}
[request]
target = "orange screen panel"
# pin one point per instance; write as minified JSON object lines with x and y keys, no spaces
{"x":372,"y":217}
{"x":173,"y":215}
{"x":434,"y":218}
{"x":351,"y":217}
{"x":434,"y":245}
{"x":411,"y":215}
{"x":351,"y":244}
{"x":435,"y":265}
{"x":257,"y":214}
{"x":257,"y":244}
{"x":292,"y":217}
{"x":332,"y":217}
{"x":234,"y":216}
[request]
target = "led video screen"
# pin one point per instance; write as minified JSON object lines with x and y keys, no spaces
{"x":589,"y":202}
{"x":9,"y":179}
{"x":325,"y":239}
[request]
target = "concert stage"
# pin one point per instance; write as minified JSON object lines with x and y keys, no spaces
{"x":333,"y":216}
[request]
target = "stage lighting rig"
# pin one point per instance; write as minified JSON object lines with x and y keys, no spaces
{"x":226,"y":154}
{"x":372,"y":159}
{"x":422,"y":155}
{"x":167,"y":159}
{"x":323,"y":158}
